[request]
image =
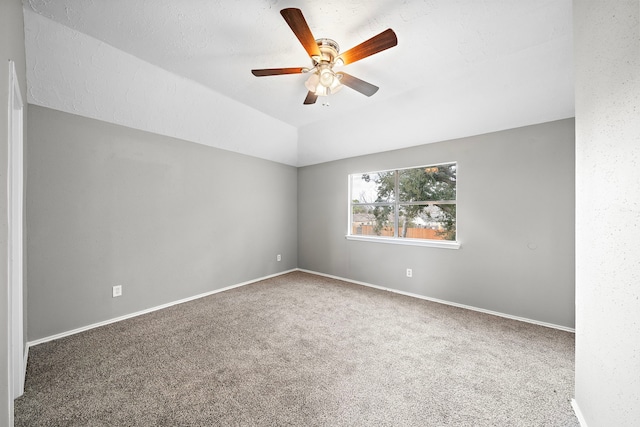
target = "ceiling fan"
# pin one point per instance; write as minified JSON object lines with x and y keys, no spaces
{"x":325,"y":54}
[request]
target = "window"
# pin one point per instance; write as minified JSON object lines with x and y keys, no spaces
{"x":412,"y":206}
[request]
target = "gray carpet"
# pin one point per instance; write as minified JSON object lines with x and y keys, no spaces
{"x":303,"y":350}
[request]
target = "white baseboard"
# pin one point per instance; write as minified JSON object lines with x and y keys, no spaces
{"x":25,"y":358}
{"x":578,"y":412}
{"x":454,"y":304}
{"x":148,"y":310}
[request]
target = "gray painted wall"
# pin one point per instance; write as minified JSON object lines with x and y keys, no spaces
{"x":515,"y":190}
{"x":11,"y":48}
{"x":607,"y":71}
{"x":164,"y":218}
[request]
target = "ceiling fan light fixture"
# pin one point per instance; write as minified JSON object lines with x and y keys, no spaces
{"x":335,"y":84}
{"x":322,"y":91}
{"x":327,"y":76}
{"x":323,"y":82}
{"x":312,"y":82}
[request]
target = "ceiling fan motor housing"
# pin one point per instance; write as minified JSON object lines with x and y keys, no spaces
{"x":329,"y":50}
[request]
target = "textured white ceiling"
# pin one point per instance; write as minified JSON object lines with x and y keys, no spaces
{"x":182,"y":68}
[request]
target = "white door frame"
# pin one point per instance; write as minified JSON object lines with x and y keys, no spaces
{"x":15,"y":199}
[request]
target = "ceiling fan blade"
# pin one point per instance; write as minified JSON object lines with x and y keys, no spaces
{"x":276,"y":71}
{"x":375,"y":44}
{"x":311,"y":98}
{"x":299,"y":26}
{"x":355,"y":83}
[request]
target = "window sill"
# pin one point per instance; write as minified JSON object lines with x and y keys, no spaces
{"x":407,"y":242}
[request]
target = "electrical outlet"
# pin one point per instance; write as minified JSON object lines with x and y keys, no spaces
{"x":278,"y":257}
{"x":409,"y":272}
{"x":117,"y":291}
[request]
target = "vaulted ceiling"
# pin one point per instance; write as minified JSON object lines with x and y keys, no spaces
{"x":182,"y":68}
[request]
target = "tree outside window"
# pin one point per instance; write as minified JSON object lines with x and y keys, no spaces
{"x":415,"y":203}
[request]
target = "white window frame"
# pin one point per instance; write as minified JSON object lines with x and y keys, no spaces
{"x":448,"y":244}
